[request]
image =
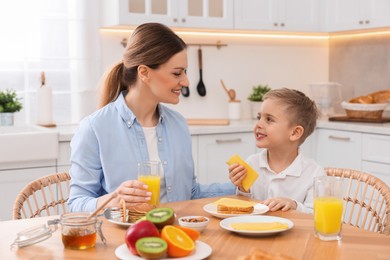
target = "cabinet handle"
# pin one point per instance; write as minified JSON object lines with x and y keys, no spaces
{"x":183,"y":20}
{"x":282,"y":24}
{"x":175,"y":20}
{"x":222,"y":141}
{"x":276,"y":24}
{"x":347,"y":139}
{"x":367,"y":21}
{"x":360,"y":22}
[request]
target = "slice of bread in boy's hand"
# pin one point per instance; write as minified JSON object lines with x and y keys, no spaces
{"x":251,"y":173}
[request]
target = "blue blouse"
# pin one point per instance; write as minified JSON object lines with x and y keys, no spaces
{"x":109,"y":144}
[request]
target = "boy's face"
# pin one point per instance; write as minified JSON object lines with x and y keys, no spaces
{"x":273,"y":128}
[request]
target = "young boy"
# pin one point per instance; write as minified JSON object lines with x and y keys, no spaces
{"x":286,"y":118}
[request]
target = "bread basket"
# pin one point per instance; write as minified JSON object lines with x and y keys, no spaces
{"x":365,"y":111}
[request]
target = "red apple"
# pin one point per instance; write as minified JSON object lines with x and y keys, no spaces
{"x":144,"y":228}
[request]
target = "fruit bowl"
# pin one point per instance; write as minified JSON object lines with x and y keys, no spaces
{"x":367,"y":111}
{"x":195,"y":222}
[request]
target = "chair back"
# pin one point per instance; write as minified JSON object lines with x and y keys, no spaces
{"x":45,"y":196}
{"x":367,"y":200}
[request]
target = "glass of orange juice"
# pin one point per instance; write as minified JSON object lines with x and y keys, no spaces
{"x":328,"y":207}
{"x":150,"y":172}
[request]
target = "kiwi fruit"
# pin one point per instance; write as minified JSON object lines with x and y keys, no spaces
{"x":151,"y":247}
{"x":161,"y":217}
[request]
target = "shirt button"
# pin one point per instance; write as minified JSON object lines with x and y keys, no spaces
{"x":169,"y":188}
{"x":160,"y":139}
{"x":128,"y":123}
{"x":165,"y":162}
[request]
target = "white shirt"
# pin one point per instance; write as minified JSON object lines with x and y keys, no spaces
{"x":151,"y":140}
{"x":295,"y":182}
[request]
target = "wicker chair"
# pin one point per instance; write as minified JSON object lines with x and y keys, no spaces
{"x":367,"y":200}
{"x":43,"y":197}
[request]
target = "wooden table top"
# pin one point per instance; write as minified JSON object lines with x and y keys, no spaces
{"x":298,"y":242}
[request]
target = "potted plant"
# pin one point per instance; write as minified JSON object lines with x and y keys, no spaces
{"x":9,"y":104}
{"x":256,"y":98}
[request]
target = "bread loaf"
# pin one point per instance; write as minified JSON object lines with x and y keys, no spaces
{"x":382,"y":96}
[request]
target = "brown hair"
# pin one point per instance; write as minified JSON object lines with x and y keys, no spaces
{"x":150,"y":44}
{"x":302,"y":109}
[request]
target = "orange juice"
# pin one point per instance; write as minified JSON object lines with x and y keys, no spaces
{"x":328,"y":213}
{"x":153,"y":183}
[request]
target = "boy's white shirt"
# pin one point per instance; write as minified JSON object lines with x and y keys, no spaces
{"x":295,"y":182}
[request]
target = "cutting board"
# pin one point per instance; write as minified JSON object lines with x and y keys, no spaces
{"x":364,"y":120}
{"x":205,"y":121}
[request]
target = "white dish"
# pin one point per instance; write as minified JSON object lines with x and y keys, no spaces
{"x":225,"y":224}
{"x":212,"y":209}
{"x":201,"y":251}
{"x":118,"y":222}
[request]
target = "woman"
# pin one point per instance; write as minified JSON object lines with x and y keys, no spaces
{"x":132,"y":126}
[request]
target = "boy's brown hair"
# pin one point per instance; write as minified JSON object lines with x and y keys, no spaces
{"x":301,"y":109}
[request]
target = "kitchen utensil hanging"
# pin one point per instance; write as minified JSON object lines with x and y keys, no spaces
{"x":201,"y":88}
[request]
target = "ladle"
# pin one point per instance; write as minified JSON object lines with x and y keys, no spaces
{"x":201,"y":88}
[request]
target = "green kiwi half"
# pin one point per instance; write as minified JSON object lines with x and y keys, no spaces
{"x":151,"y":247}
{"x":161,"y":217}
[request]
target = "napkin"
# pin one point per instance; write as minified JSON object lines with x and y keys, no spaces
{"x":258,"y":226}
{"x":251,"y":174}
{"x":234,"y":202}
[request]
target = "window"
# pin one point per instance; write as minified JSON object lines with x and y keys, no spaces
{"x":59,"y":37}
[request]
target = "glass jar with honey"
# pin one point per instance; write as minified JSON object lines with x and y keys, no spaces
{"x":78,"y":231}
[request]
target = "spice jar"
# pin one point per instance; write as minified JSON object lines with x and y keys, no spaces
{"x":79,"y":232}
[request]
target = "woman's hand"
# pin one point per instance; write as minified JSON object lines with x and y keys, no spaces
{"x":131,"y":192}
{"x":283,"y":204}
{"x":237,"y":174}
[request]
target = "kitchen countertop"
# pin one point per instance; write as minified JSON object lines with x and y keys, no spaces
{"x":66,"y":132}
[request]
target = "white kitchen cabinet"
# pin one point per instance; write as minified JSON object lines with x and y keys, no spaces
{"x":63,"y":161}
{"x":13,"y":181}
{"x":357,"y":14}
{"x":277,"y":15}
{"x":340,"y":149}
{"x":176,"y":13}
{"x":215,"y":149}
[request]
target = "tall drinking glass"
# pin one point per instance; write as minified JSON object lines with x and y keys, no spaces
{"x":150,"y":172}
{"x":328,"y":207}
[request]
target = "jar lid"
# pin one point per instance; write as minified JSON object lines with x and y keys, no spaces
{"x":34,"y":235}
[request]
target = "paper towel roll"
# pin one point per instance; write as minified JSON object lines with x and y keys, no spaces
{"x":45,"y":106}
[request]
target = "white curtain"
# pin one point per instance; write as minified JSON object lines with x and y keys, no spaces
{"x":59,"y":37}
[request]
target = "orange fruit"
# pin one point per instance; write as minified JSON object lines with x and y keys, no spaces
{"x":192,"y":233}
{"x":179,"y":243}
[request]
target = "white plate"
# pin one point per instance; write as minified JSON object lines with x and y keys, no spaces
{"x":212,"y":209}
{"x":118,"y":222}
{"x":225,"y":224}
{"x":201,"y":251}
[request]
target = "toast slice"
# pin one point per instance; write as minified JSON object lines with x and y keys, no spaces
{"x":223,"y":209}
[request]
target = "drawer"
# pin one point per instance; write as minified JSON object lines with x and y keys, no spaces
{"x":375,"y":148}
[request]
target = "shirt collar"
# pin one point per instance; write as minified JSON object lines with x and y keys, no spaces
{"x":294,"y":169}
{"x":128,"y":115}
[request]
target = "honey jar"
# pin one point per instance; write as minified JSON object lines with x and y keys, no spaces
{"x":79,"y":232}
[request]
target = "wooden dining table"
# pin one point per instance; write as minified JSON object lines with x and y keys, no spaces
{"x":298,"y":243}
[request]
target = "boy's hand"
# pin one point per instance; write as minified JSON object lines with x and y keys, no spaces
{"x":283,"y":204}
{"x":237,"y":174}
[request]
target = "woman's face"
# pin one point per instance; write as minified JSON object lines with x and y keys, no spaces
{"x":273,"y":128}
{"x":167,"y":81}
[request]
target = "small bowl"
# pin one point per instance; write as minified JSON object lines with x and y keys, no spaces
{"x":195,"y":222}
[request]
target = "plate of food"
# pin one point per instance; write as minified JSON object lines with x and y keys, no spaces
{"x":226,"y":207}
{"x":202,"y":251}
{"x":256,"y":225}
{"x":119,"y":222}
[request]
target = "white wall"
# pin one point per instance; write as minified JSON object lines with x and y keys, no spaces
{"x":245,"y":62}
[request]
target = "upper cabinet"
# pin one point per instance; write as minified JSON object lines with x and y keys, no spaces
{"x":175,"y":13}
{"x":277,"y":15}
{"x":357,"y":14}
